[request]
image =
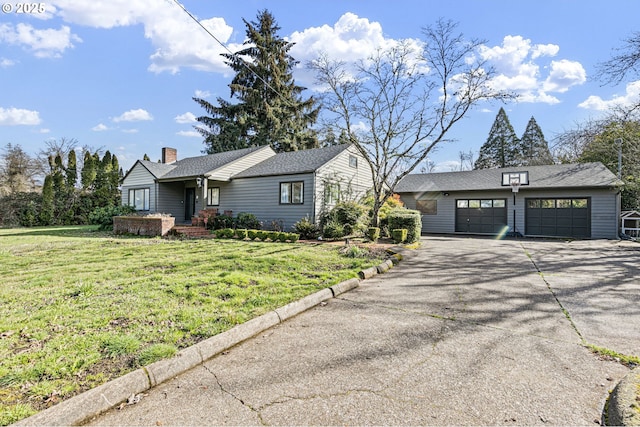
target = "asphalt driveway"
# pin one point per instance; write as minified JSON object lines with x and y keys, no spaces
{"x":464,"y":331}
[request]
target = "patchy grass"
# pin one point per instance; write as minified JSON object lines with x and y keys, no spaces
{"x":81,"y":307}
{"x":630,"y":361}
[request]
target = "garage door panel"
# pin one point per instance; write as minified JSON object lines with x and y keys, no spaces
{"x":483,"y":216}
{"x":562,"y":217}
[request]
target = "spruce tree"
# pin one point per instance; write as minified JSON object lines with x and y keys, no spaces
{"x":501,"y":148}
{"x":270,"y":110}
{"x":534,"y":149}
{"x":89,"y":170}
{"x":72,"y":170}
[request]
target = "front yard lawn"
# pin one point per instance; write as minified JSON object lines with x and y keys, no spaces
{"x":79,"y":307}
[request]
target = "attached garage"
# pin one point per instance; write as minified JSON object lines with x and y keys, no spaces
{"x":484,"y":216}
{"x":566,"y":217}
{"x":571,"y":200}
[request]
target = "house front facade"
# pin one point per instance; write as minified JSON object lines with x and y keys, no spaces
{"x":574,"y":201}
{"x":276,"y":187}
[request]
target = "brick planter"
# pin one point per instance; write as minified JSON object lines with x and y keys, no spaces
{"x":143,"y":226}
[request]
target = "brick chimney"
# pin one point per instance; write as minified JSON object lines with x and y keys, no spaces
{"x":169,"y":155}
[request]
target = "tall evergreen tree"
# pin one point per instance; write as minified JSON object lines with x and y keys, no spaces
{"x":47,"y":210}
{"x":501,"y":148}
{"x":89,"y":171}
{"x":270,"y":110}
{"x":72,"y":170}
{"x":534,"y":149}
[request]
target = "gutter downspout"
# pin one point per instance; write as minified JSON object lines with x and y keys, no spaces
{"x":315,"y":191}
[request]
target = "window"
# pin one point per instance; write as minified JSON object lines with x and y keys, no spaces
{"x":139,"y":199}
{"x":486,"y":203}
{"x":353,"y":161}
{"x":499,"y":203}
{"x":427,"y":206}
{"x":474,"y":204}
{"x":291,"y":192}
{"x":580,"y":203}
{"x":463,"y":203}
{"x":213,"y":196}
{"x":331,"y":193}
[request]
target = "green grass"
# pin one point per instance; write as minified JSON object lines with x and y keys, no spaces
{"x":80,"y":307}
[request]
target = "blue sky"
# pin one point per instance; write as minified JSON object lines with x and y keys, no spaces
{"x":121,"y":74}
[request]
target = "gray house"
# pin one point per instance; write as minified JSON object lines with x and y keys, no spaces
{"x":572,"y":200}
{"x":282,"y":187}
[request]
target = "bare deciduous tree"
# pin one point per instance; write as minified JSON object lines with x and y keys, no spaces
{"x":400,"y":103}
{"x":17,"y":170}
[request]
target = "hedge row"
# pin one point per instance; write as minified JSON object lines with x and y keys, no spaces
{"x":241,"y":233}
{"x":406,"y":218}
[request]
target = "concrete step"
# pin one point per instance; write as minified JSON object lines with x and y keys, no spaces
{"x":191,"y":231}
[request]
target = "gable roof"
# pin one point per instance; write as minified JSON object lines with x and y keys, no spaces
{"x":294,"y":162}
{"x":194,"y":166}
{"x":585,"y":175}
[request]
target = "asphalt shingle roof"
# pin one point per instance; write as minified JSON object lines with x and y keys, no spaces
{"x":586,"y":175}
{"x":293,"y":162}
{"x":195,"y":166}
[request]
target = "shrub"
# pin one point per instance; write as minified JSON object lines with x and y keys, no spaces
{"x":262,"y":235}
{"x":104,"y":216}
{"x":242,"y":233}
{"x":351,"y":215}
{"x":247,"y":220}
{"x":221,"y":221}
{"x":252,"y":234}
{"x":293,"y":237}
{"x":373,"y":233}
{"x":225,"y":233}
{"x":333,"y":230}
{"x":409,"y":219}
{"x":399,"y":235}
{"x":281,"y":236}
{"x":306,"y":229}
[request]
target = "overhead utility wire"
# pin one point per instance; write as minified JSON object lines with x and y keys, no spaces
{"x":242,"y":61}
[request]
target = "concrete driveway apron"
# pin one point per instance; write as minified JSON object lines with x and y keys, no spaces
{"x":464,"y":331}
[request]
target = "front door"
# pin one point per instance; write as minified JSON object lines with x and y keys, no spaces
{"x":190,"y":204}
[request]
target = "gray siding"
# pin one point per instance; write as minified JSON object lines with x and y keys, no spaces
{"x":261,"y":197}
{"x":604,"y":223}
{"x":353,"y":182}
{"x":140,"y":177}
{"x":171,"y":199}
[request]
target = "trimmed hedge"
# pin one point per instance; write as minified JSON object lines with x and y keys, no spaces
{"x":373,"y":233}
{"x":409,"y":219}
{"x":399,"y":235}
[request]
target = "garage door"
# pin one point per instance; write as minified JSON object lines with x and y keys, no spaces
{"x":566,"y":217}
{"x":483,"y":216}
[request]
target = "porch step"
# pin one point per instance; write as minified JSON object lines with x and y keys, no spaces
{"x":190,"y":231}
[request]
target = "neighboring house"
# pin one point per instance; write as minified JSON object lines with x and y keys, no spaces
{"x":282,"y":187}
{"x":571,"y":200}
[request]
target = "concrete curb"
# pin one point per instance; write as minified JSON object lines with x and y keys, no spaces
{"x":84,"y":406}
{"x":623,"y":408}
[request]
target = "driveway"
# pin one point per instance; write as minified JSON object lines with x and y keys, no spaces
{"x":464,"y":331}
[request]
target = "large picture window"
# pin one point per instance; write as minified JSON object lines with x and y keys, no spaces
{"x":291,"y":193}
{"x":139,"y":199}
{"x":427,"y":206}
{"x":213,"y":196}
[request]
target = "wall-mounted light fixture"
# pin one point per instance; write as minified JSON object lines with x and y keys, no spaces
{"x":445,"y":194}
{"x":199,"y":182}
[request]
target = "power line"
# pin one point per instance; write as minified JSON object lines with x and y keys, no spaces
{"x":242,"y":61}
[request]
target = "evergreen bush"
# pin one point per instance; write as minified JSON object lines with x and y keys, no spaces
{"x":248,"y":221}
{"x":373,"y":233}
{"x":306,"y":229}
{"x":399,"y":235}
{"x":406,"y":218}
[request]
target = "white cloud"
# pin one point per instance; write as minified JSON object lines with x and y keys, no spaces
{"x":563,"y":75}
{"x":350,"y":39}
{"x":44,"y":130}
{"x":178,"y":41}
{"x":185,"y":118}
{"x":189,"y":133}
{"x":18,"y":116}
{"x":99,"y":128}
{"x":47,"y":43}
{"x":129,"y":130}
{"x":202,"y":94}
{"x":6,"y":63}
{"x":519,"y":66}
{"x":133,"y":116}
{"x":631,"y":97}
